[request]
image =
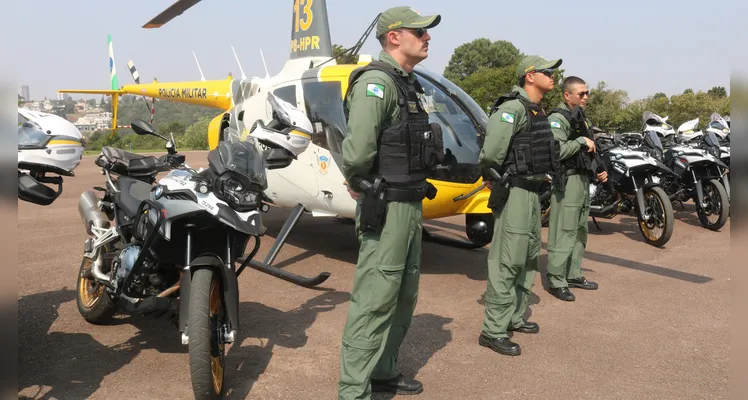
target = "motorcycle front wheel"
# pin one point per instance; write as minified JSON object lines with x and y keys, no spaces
{"x":94,"y":303}
{"x":714,"y":215}
{"x":206,"y":346}
{"x":658,"y":230}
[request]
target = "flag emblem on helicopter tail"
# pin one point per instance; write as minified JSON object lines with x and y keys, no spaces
{"x":375,"y":90}
{"x":324,"y":163}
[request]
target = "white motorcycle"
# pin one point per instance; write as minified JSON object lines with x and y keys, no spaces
{"x":697,"y":169}
{"x":172,"y":247}
{"x":633,"y":182}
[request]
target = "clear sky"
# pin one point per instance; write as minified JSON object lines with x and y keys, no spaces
{"x":640,"y":46}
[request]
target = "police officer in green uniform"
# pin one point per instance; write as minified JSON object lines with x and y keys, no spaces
{"x":388,"y":153}
{"x":567,"y":227}
{"x":518,"y":155}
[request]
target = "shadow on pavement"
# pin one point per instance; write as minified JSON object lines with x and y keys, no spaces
{"x":427,"y":335}
{"x":73,"y":365}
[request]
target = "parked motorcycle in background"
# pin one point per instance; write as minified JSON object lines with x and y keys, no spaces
{"x":697,"y":168}
{"x":171,"y":247}
{"x":633,"y":177}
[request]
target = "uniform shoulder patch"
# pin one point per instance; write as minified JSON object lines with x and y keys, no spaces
{"x":555,"y":124}
{"x":375,"y":90}
{"x":507,"y":117}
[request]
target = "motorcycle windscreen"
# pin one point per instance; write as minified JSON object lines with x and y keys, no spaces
{"x":652,"y":140}
{"x":242,"y":156}
{"x":711,"y":139}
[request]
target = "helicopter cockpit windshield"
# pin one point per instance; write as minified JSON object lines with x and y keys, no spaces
{"x":462,"y":120}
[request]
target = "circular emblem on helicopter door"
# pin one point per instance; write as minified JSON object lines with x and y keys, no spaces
{"x":323,"y":163}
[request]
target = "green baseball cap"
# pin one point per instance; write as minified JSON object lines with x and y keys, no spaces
{"x":532,"y":63}
{"x":405,"y":17}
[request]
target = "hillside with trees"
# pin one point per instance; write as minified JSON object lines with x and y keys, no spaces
{"x":188,"y":123}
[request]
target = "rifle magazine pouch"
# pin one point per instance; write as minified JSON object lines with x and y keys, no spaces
{"x":498,"y":198}
{"x":373,"y":212}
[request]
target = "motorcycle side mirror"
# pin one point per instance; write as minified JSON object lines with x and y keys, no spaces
{"x":143,"y":128}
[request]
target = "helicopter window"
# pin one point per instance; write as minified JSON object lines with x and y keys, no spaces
{"x":459,"y":132}
{"x":286,"y":93}
{"x":324,"y":107}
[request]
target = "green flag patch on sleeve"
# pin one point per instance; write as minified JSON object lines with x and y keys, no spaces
{"x":555,"y":124}
{"x":507,"y":117}
{"x":375,"y":90}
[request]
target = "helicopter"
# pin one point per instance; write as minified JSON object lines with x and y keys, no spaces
{"x":312,"y":80}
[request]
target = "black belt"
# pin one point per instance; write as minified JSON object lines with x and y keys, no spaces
{"x":414,"y":194}
{"x":572,"y":171}
{"x":531,"y":186}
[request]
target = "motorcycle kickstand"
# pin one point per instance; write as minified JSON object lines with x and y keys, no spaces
{"x":596,"y":224}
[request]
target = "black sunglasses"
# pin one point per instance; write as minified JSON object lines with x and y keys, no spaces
{"x":585,"y":93}
{"x":546,"y":72}
{"x":419,"y":32}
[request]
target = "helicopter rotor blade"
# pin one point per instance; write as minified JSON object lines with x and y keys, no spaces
{"x":170,"y":13}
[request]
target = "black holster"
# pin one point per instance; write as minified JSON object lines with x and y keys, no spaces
{"x":499,"y":196}
{"x":374,"y":207}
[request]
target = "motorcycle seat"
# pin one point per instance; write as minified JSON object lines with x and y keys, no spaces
{"x":132,"y":193}
{"x":127,"y":164}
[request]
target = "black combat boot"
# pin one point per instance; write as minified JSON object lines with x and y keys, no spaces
{"x":398,"y":385}
{"x":563,"y":293}
{"x":500,"y":345}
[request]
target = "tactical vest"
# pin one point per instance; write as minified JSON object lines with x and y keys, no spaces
{"x":402,"y":147}
{"x":534,"y":150}
{"x":577,"y":162}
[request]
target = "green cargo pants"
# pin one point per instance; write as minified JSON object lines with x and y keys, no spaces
{"x":384,"y":295}
{"x":567,"y":231}
{"x":512,"y":262}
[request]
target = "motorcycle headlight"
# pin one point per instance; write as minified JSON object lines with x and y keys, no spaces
{"x":240,"y":197}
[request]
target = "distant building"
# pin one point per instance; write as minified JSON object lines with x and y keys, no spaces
{"x":26,"y":92}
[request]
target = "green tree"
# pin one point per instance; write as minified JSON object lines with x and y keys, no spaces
{"x":604,"y":107}
{"x":718,"y":91}
{"x":471,"y":57}
{"x":660,"y":95}
{"x":687,"y":91}
{"x":487,"y":84}
{"x":338,"y":50}
{"x":196,"y":136}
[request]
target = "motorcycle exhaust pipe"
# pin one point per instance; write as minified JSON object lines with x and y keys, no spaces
{"x":599,"y":211}
{"x":96,"y":270}
{"x":90,"y":213}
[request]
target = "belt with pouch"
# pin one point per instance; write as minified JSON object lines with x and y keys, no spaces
{"x":531,"y":186}
{"x":405,"y":195}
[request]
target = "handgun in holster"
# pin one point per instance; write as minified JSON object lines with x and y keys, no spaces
{"x":500,"y":190}
{"x":373,"y":205}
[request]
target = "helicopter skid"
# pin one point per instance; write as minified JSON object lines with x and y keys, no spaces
{"x":266,"y":265}
{"x":460,"y":244}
